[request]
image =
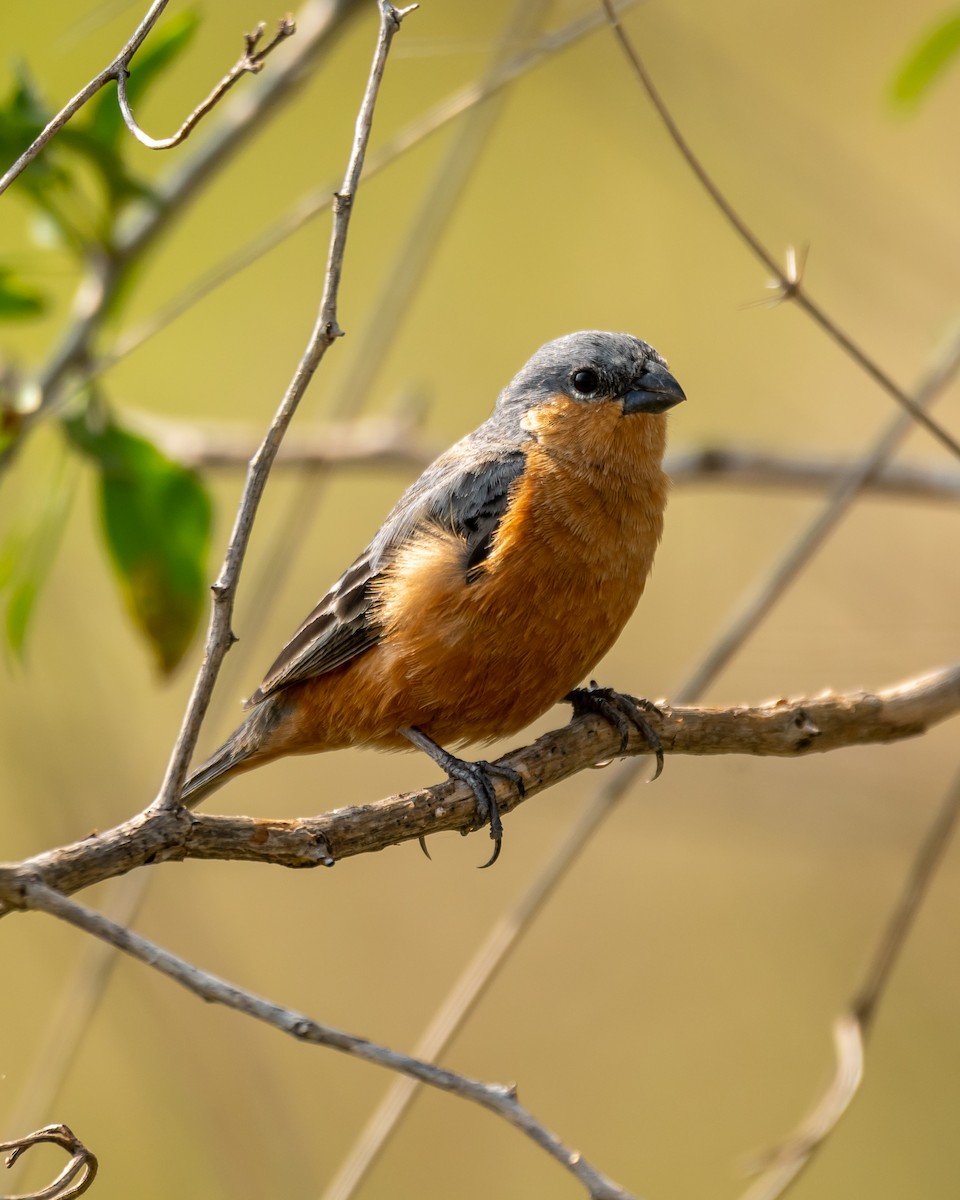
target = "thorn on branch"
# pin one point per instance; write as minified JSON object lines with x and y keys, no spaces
{"x":789,"y":282}
{"x":396,"y":15}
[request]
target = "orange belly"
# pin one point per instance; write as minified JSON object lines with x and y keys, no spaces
{"x":469,"y":662}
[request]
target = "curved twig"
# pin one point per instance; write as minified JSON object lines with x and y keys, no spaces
{"x":75,"y":1178}
{"x":781,"y":1166}
{"x":249,"y":63}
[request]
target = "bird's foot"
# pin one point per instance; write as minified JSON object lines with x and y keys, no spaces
{"x":477,"y":775}
{"x":622,"y":711}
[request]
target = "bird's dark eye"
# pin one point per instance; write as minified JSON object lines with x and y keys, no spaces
{"x":586,"y":381}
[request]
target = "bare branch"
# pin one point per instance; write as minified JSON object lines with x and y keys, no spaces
{"x":249,"y":63}
{"x":75,"y":1178}
{"x":372,"y":442}
{"x":730,"y":465}
{"x":497,"y":1098}
{"x":395,"y":443}
{"x":785,"y":728}
{"x":754,"y":607}
{"x":788,"y":279}
{"x":325,"y":331}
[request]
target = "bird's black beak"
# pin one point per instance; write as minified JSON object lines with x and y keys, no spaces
{"x":653,"y":391}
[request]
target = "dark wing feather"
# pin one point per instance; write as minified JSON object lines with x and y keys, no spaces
{"x":466,"y":492}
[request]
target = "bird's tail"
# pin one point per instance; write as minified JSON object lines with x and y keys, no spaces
{"x":246,"y":747}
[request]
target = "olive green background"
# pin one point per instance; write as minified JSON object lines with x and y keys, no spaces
{"x":670,"y":1013}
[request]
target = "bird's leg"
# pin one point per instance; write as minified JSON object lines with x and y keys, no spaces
{"x":477,"y":776}
{"x":621,"y":711}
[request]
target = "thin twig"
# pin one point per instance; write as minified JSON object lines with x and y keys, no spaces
{"x":788,"y":280}
{"x":325,"y":332}
{"x":318,"y":202}
{"x":937,"y":838}
{"x":756,"y":606}
{"x":783,"y":1165}
{"x":497,"y":1098}
{"x":75,"y":1178}
{"x":317,"y":22}
{"x":249,"y":63}
{"x":781,"y":728}
{"x":113,"y":71}
{"x":384,"y":316}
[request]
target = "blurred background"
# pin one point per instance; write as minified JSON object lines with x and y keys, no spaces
{"x":669,"y":1013}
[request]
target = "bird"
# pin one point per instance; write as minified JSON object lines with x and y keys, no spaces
{"x":494,"y":586}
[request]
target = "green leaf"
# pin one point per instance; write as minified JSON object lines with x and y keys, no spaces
{"x":156,"y":520}
{"x":26,"y":556}
{"x":18,"y":300}
{"x":927,"y":61}
{"x":163,"y":46}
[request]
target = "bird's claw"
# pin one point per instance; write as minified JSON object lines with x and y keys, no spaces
{"x":622,"y":711}
{"x":477,"y":775}
{"x":487,"y":808}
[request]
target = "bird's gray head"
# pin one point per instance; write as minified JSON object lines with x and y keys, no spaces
{"x":593,"y":366}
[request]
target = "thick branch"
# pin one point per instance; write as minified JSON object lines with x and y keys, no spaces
{"x":787,"y":728}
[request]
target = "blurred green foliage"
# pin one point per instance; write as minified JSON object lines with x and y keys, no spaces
{"x":155,"y":514}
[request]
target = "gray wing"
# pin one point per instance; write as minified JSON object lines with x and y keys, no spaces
{"x":466,"y":492}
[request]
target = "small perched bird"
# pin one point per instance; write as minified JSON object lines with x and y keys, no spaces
{"x":494,"y":586}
